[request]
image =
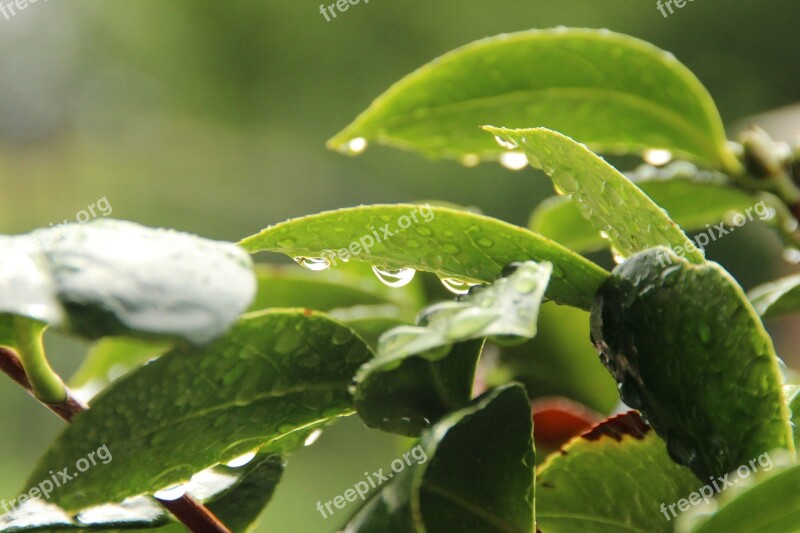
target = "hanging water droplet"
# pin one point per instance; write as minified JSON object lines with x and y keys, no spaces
{"x":457,"y":286}
{"x":509,"y":145}
{"x":171,"y":493}
{"x":657,"y":157}
{"x":313,"y":263}
{"x":792,"y":255}
{"x":617,"y":255}
{"x":312,"y":437}
{"x":513,"y":160}
{"x":356,"y":146}
{"x":394,"y":277}
{"x":241,"y":460}
{"x":470,"y":160}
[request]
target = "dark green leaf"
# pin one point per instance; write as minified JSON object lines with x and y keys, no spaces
{"x":418,"y":375}
{"x":609,"y":200}
{"x":613,"y":478}
{"x":613,"y":92}
{"x":264,"y":386}
{"x":450,"y":243}
{"x":691,"y":204}
{"x":470,"y":482}
{"x":690,"y":352}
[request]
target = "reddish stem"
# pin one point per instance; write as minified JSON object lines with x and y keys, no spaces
{"x":192,"y":514}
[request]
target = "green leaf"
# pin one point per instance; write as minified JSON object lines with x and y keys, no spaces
{"x":109,"y":359}
{"x":781,"y":297}
{"x":613,"y":478}
{"x":111,"y":277}
{"x":422,"y":372}
{"x":690,"y":352}
{"x":615,"y":93}
{"x":264,"y":386}
{"x":450,"y":243}
{"x":768,"y":502}
{"x":554,"y":364}
{"x":692,"y":205}
{"x":353,"y":284}
{"x":609,"y":200}
{"x":794,"y":408}
{"x":469,"y":482}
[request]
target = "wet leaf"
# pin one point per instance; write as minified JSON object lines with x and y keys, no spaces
{"x":452,"y":244}
{"x":768,"y":502}
{"x":613,"y":478}
{"x":275,"y":377}
{"x":422,"y":372}
{"x":609,"y":200}
{"x":692,"y":205}
{"x":468,"y":482}
{"x":615,"y":93}
{"x":112,"y":277}
{"x":781,"y":297}
{"x":690,"y":352}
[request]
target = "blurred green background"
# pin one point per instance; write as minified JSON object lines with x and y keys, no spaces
{"x":211,"y":117}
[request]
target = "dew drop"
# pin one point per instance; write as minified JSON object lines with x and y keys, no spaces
{"x":171,"y":493}
{"x":657,"y":157}
{"x":312,"y":437}
{"x":509,"y":145}
{"x":470,"y":160}
{"x":241,"y":460}
{"x":513,"y":160}
{"x":792,"y":255}
{"x":485,"y":242}
{"x":617,"y":255}
{"x":394,"y":277}
{"x":313,"y":263}
{"x":356,"y":146}
{"x":457,"y":286}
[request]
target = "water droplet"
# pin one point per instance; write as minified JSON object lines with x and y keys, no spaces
{"x":657,"y":157}
{"x":171,"y":493}
{"x":241,"y":460}
{"x":423,"y":230}
{"x":313,"y":263}
{"x":342,"y":336}
{"x":705,"y":333}
{"x":792,"y":255}
{"x":526,"y":283}
{"x":617,"y":255}
{"x":485,"y":242}
{"x":457,"y":286}
{"x":312,"y":437}
{"x":470,"y":160}
{"x":508,"y":144}
{"x":356,"y":146}
{"x":394,"y":277}
{"x":513,"y":160}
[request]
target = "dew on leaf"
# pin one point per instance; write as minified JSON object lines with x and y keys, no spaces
{"x":394,"y":277}
{"x":315,"y":264}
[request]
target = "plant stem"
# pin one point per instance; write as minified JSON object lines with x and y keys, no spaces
{"x":192,"y":514}
{"x":45,"y":383}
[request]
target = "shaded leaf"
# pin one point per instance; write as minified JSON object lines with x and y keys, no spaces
{"x":781,"y":297}
{"x":613,"y":92}
{"x":609,"y":200}
{"x":264,"y":386}
{"x":692,"y":205}
{"x":702,"y":370}
{"x":422,"y":372}
{"x":452,"y":244}
{"x":613,"y":478}
{"x":468,"y":483}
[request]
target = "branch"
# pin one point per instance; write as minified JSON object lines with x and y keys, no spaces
{"x":192,"y":514}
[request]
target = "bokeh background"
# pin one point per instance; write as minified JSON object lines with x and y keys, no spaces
{"x":211,"y":117}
